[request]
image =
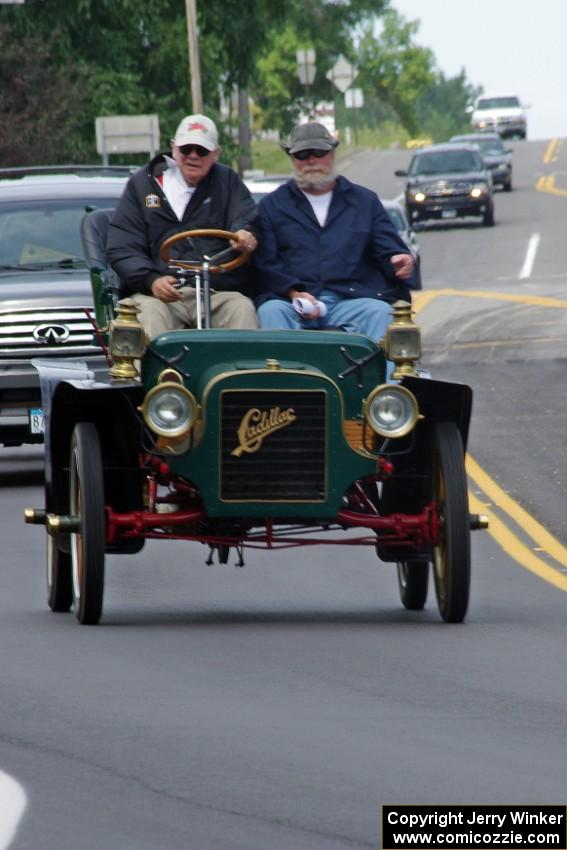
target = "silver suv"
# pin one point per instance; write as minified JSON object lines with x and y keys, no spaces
{"x":45,"y":292}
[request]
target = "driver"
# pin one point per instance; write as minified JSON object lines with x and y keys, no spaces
{"x":185,"y":189}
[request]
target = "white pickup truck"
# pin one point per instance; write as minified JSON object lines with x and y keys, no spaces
{"x":500,"y":113}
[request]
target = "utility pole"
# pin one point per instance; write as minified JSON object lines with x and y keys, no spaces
{"x":244,"y":134}
{"x":194,"y":63}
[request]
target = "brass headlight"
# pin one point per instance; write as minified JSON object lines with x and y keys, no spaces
{"x":402,"y":343}
{"x":391,"y":411}
{"x":169,"y":409}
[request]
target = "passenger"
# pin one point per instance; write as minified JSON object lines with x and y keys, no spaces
{"x":185,"y":189}
{"x":328,"y":252}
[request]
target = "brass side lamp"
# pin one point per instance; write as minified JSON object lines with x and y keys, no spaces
{"x":127,"y":342}
{"x":402,"y":342}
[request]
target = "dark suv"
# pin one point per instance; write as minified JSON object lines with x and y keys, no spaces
{"x":497,"y":158}
{"x":45,"y":293}
{"x":446,"y":182}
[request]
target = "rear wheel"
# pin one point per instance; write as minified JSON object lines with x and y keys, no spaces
{"x":59,"y":580}
{"x":87,"y":502}
{"x":413,"y":581}
{"x":451,"y":557}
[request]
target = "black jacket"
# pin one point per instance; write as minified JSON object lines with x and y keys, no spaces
{"x":144,"y":219}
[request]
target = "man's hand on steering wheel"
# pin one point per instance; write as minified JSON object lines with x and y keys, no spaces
{"x":164,"y":288}
{"x":245,"y":241}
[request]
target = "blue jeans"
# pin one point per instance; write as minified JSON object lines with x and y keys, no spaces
{"x":368,"y":316}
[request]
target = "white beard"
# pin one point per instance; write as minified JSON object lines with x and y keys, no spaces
{"x":315,"y":178}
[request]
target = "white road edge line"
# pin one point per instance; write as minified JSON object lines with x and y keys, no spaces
{"x":13,"y":802}
{"x":530,"y":257}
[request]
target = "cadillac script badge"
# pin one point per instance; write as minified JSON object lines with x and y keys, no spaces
{"x":258,"y":424}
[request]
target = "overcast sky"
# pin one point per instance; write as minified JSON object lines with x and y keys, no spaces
{"x":504,"y":46}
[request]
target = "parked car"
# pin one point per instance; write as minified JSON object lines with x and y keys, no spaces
{"x":261,"y":186}
{"x":446,"y":182}
{"x":500,"y":113}
{"x":260,"y":439}
{"x":46,"y":303}
{"x":398,"y":216}
{"x":497,"y":158}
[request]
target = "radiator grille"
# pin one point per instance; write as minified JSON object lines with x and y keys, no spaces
{"x":273,"y":446}
{"x":45,"y":332}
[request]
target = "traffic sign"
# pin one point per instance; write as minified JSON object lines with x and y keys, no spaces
{"x":354,"y":98}
{"x":306,"y":66}
{"x":342,"y":74}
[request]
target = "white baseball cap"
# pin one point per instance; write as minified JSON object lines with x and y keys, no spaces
{"x":197,"y":130}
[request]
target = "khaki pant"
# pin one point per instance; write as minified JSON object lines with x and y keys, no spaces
{"x":228,"y":310}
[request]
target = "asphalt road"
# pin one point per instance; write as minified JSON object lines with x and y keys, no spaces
{"x":278,"y":706}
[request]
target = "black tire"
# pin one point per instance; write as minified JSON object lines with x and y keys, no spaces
{"x":59,"y":578}
{"x":451,"y":558}
{"x":413,"y":583}
{"x":87,"y":502}
{"x":488,"y":217}
{"x":508,"y":186}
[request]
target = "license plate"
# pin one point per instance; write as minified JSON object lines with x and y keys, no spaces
{"x":449,"y":214}
{"x":37,"y":425}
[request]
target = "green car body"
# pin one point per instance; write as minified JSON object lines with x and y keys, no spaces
{"x":277,"y":446}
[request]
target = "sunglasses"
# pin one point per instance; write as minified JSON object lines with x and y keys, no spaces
{"x":306,"y":154}
{"x":199,"y":150}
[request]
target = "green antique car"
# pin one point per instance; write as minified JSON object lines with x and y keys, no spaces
{"x":240,"y":439}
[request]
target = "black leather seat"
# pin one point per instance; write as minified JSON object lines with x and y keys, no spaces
{"x":94,"y":229}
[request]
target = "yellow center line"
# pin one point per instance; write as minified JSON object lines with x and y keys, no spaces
{"x":547,"y":184}
{"x":527,"y":523}
{"x":514,"y":547}
{"x":550,"y":150}
{"x":422,"y":301}
{"x":501,"y":533}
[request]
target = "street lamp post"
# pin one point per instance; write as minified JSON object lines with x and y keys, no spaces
{"x":194,"y":62}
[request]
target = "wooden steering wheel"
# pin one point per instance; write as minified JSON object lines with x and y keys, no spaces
{"x":196,"y":265}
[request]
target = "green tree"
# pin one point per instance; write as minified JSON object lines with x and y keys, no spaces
{"x":394,"y":68}
{"x":441,"y":108}
{"x":41,"y":106}
{"x":328,"y":27}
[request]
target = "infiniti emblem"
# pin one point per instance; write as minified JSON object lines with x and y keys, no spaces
{"x":51,"y":334}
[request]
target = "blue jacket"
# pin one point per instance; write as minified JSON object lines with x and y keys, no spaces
{"x":350,"y":254}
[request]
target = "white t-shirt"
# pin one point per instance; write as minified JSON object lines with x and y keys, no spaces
{"x":320,"y":204}
{"x":176,"y":189}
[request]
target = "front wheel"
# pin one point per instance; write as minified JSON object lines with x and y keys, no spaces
{"x":488,"y":217}
{"x":87,"y":502}
{"x":451,"y":557}
{"x":413,"y":581}
{"x":59,"y":580}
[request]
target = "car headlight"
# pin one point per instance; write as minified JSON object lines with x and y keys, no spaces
{"x":169,"y":409}
{"x":417,"y":195}
{"x":391,"y":411}
{"x":479,"y":189}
